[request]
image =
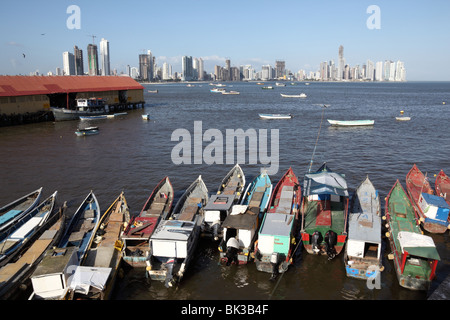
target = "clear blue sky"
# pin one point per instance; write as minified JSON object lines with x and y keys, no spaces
{"x":303,"y":33}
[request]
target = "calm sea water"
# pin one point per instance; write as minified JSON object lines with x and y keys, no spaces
{"x":133,"y":155}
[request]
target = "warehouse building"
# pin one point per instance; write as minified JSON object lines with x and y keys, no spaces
{"x":27,"y":99}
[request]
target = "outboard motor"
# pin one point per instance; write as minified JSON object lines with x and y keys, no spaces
{"x":215,"y":229}
{"x":316,"y":240}
{"x":331,"y":241}
{"x":274,"y":261}
{"x":169,"y":277}
{"x":232,"y":251}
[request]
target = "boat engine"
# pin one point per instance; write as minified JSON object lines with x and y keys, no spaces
{"x":274,"y":261}
{"x":316,"y":240}
{"x":169,"y":268}
{"x":232,"y":251}
{"x":216,"y":229}
{"x":331,"y":241}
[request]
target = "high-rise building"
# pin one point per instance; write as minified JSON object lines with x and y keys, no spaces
{"x":400,"y":72}
{"x":92,"y":60}
{"x":166,"y":71}
{"x":341,"y":64}
{"x":379,"y":71}
{"x":151,"y":70}
{"x":104,"y":56}
{"x":144,"y":67}
{"x":68,"y":63}
{"x":187,"y":69}
{"x":201,"y":69}
{"x":280,"y":69}
{"x":79,"y":65}
{"x":370,"y":70}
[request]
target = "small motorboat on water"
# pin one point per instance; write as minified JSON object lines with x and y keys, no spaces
{"x":87,"y":131}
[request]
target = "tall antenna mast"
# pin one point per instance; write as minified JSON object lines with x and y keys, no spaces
{"x":93,"y":38}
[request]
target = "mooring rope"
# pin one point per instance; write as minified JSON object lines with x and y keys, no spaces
{"x":317,"y":139}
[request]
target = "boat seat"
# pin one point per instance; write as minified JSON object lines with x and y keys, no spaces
{"x":88,"y":214}
{"x":400,"y":210}
{"x":75,"y":237}
{"x":194,"y":200}
{"x":188,"y":213}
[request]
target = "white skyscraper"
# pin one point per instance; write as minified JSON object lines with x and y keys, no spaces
{"x":370,"y":70}
{"x":104,"y":56}
{"x":379,"y":71}
{"x":166,"y":71}
{"x":68,"y":63}
{"x":400,"y":73}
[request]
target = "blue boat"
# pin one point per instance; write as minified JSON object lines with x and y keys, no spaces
{"x":25,"y":230}
{"x":16,"y":210}
{"x":240,"y":228}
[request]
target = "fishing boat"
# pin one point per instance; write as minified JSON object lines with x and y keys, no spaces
{"x":230,"y":92}
{"x":267,"y":87}
{"x":94,"y":279}
{"x":432,"y":210}
{"x":217,"y":90}
{"x":84,"y":107}
{"x":402,"y":117}
{"x":219,"y":205}
{"x":87,"y":131}
{"x":16,"y":275}
{"x":174,"y":241}
{"x":301,"y":95}
{"x":240,"y":228}
{"x":279,"y":84}
{"x":362,"y":256}
{"x":26,"y":229}
{"x":324,"y":212}
{"x":98,"y":117}
{"x":14,"y":211}
{"x":139,"y":229}
{"x":276,"y":237}
{"x":351,"y":123}
{"x":275,"y":116}
{"x":52,"y":277}
{"x":442,"y":186}
{"x":414,"y":254}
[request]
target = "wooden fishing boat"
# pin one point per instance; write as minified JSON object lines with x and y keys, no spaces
{"x":173,"y":243}
{"x":432,"y":211}
{"x":240,"y":228}
{"x":14,"y":211}
{"x":17,"y":274}
{"x":94,"y":279}
{"x":26,"y":229}
{"x":324,"y":212}
{"x":414,"y":254}
{"x":219,"y":205}
{"x":51,"y":279}
{"x":139,"y":230}
{"x":442,"y":186}
{"x":275,"y":116}
{"x":87,"y":131}
{"x":276,"y":237}
{"x":351,"y":123}
{"x":362,"y":256}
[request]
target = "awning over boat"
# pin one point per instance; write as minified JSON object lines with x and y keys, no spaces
{"x":325,"y":181}
{"x":417,"y":244}
{"x":86,"y":277}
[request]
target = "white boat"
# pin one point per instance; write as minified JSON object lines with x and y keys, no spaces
{"x":84,"y":107}
{"x":87,"y":131}
{"x":146,"y":116}
{"x":275,"y":116}
{"x":230,"y":92}
{"x":173,"y":242}
{"x":279,"y":84}
{"x":111,"y":116}
{"x":301,"y":95}
{"x":217,"y":90}
{"x":351,"y":123}
{"x":403,"y":118}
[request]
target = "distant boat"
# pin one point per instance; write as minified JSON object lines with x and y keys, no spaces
{"x":267,"y":87}
{"x":351,"y":123}
{"x":403,"y":118}
{"x":98,"y":117}
{"x":279,"y":84}
{"x":230,"y":92}
{"x":362,"y":256}
{"x":152,"y":91}
{"x":275,"y":116}
{"x":432,"y":209}
{"x":84,"y":107}
{"x":301,"y":95}
{"x":87,"y":131}
{"x":415,"y":255}
{"x":217,"y":90}
{"x":110,"y":116}
{"x":146,"y":116}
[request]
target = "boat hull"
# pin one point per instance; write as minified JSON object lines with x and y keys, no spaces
{"x":62,"y":114}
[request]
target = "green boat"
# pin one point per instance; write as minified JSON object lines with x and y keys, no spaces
{"x":324,"y":212}
{"x":414,"y":254}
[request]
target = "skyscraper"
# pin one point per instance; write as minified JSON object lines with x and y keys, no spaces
{"x":79,"y":66}
{"x":280,"y":69}
{"x":144,"y":67}
{"x":92,"y":60}
{"x":68,"y":64}
{"x":341,"y":64}
{"x":104,"y":56}
{"x":187,"y":69}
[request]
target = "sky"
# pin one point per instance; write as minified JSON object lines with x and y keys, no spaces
{"x":303,"y":33}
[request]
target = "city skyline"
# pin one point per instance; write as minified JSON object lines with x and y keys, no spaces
{"x":308,"y":35}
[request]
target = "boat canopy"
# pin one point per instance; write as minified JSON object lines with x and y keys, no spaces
{"x":86,"y":277}
{"x":417,"y":244}
{"x":325,"y":181}
{"x":242,"y":217}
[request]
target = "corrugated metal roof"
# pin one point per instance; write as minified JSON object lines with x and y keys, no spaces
{"x":32,"y":85}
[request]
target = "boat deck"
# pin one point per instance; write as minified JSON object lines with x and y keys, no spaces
{"x":331,"y":218}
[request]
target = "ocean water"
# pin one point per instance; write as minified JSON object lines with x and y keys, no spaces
{"x":133,"y":155}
